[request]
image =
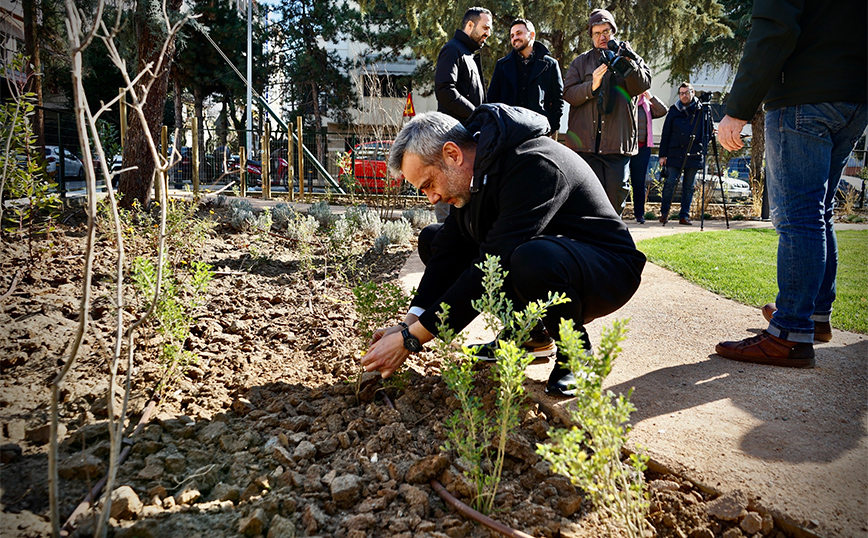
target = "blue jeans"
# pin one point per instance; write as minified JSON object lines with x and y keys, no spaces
{"x":807,"y":147}
{"x":686,"y":191}
{"x":638,"y":171}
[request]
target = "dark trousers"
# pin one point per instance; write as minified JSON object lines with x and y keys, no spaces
{"x":555,"y":264}
{"x":638,"y":171}
{"x":611,"y":170}
{"x":686,"y":191}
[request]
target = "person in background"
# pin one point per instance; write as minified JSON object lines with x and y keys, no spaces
{"x":528,"y":76}
{"x":649,"y":107}
{"x":815,"y":90}
{"x":602,"y":120}
{"x":684,"y":134}
{"x":458,"y":82}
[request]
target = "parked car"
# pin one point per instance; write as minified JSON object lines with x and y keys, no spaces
{"x":72,"y":165}
{"x":370,"y":172}
{"x":736,"y":189}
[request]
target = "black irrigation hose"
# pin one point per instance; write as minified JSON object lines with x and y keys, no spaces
{"x":463,"y":508}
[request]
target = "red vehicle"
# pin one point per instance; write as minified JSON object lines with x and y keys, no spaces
{"x":371,"y":173}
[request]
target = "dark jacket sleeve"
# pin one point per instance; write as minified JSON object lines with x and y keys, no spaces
{"x":772,"y":39}
{"x":667,"y":132}
{"x":449,"y":99}
{"x":658,"y":109}
{"x":555,"y":106}
{"x":640,"y":79}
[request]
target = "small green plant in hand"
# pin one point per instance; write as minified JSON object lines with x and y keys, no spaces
{"x":590,"y":453}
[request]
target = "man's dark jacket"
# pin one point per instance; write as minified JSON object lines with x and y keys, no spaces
{"x":677,"y":129}
{"x":524,"y":185}
{"x":458,"y":83}
{"x":545,"y":87}
{"x":810,"y":51}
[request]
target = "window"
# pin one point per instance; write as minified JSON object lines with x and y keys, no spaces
{"x":386,"y":85}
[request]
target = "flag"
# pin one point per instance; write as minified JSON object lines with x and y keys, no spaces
{"x":409,"y":110}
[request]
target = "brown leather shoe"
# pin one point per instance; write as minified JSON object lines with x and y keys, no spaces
{"x":767,"y":349}
{"x":663,"y":219}
{"x":685,"y":221}
{"x":822,"y":329}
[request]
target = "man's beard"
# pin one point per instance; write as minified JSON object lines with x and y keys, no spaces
{"x":521,"y":46}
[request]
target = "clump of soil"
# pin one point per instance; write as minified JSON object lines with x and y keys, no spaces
{"x":274,"y":432}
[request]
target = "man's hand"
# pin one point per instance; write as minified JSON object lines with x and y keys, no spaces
{"x":387,"y":353}
{"x":729,"y":133}
{"x":598,"y":76}
{"x":662,"y":161}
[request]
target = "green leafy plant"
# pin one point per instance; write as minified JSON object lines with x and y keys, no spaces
{"x":33,"y":206}
{"x":590,"y":452}
{"x":478,"y":440}
{"x":377,"y":305}
{"x":173,"y":311}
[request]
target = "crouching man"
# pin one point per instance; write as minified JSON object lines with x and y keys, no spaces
{"x":519,"y":195}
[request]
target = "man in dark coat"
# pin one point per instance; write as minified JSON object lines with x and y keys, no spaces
{"x":519,"y":195}
{"x":684,"y":134}
{"x":528,"y":76}
{"x":458,"y":82}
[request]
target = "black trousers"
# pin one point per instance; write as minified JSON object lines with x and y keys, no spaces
{"x":555,"y":264}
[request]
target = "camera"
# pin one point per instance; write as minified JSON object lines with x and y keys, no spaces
{"x":617,"y":58}
{"x":704,"y":97}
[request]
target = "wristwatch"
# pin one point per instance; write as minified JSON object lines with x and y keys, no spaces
{"x":411,"y":343}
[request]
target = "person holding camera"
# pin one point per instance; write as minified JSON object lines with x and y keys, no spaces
{"x":808,"y":63}
{"x":682,"y":146}
{"x":601,"y":87}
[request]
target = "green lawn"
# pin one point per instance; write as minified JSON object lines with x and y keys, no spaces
{"x":740,"y":264}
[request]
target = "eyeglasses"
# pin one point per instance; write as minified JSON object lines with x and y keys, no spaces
{"x":604,"y":33}
{"x":686,"y":92}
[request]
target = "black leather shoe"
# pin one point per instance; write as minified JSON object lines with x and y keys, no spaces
{"x":562,"y":382}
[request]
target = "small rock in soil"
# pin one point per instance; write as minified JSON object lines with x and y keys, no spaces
{"x":82,"y":465}
{"x":125,"y":503}
{"x":422,"y":471}
{"x":9,"y":452}
{"x":280,"y":527}
{"x":41,"y":435}
{"x":751,"y":523}
{"x":253,"y":524}
{"x":729,"y":507}
{"x":346,"y":489}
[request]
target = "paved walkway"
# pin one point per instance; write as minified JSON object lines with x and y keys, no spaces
{"x":794,"y":438}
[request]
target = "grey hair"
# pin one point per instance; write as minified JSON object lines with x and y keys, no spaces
{"x":425,"y":136}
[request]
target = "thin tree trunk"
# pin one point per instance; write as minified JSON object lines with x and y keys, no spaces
{"x":179,"y":109}
{"x":198,"y":106}
{"x":34,"y":68}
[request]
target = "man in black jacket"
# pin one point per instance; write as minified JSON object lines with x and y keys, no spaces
{"x":528,"y":76}
{"x":519,"y":195}
{"x":685,"y":134}
{"x":808,"y":62}
{"x":458,"y":82}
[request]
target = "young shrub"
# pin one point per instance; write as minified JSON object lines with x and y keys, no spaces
{"x":341,"y":237}
{"x":418,"y":217}
{"x":241,"y":219}
{"x":282,"y":216}
{"x":589,"y":454}
{"x":367,"y":221}
{"x":398,"y":232}
{"x":380,"y":244}
{"x":322,"y":213}
{"x":469,"y":431}
{"x":377,"y":305}
{"x":263,"y":221}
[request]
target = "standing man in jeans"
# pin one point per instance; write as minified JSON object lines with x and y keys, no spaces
{"x":808,"y":62}
{"x":684,"y":135}
{"x":458,"y":82}
{"x":602,"y":121}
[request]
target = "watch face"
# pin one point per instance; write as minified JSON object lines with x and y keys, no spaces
{"x":411,"y":343}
